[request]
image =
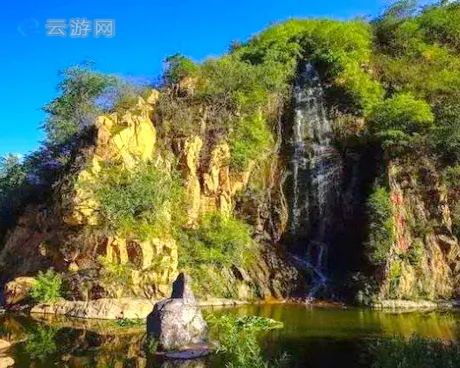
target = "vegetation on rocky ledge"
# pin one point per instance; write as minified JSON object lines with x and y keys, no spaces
{"x":398,"y":75}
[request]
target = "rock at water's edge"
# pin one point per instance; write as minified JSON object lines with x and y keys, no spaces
{"x":178,"y":322}
{"x":18,"y":291}
{"x":6,"y":362}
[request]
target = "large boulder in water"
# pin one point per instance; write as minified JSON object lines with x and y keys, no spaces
{"x":178,"y":323}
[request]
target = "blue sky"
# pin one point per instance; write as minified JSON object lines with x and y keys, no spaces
{"x":146,"y":32}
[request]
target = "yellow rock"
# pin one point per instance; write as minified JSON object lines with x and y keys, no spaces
{"x":128,"y":139}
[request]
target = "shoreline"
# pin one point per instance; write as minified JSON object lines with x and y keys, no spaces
{"x":140,"y":308}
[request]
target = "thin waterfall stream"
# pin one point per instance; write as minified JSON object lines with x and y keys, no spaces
{"x":316,"y":176}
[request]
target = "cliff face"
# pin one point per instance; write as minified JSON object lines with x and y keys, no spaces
{"x":424,"y":258}
{"x":67,"y":233}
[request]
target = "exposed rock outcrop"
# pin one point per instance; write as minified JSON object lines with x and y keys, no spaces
{"x":129,"y":308}
{"x":66,"y":233}
{"x":423,"y":262}
{"x":18,"y":291}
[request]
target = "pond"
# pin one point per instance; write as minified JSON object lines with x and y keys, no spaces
{"x":311,"y":337}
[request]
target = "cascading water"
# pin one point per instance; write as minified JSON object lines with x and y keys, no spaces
{"x":316,"y":176}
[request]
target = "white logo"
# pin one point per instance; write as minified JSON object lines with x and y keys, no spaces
{"x":104,"y":27}
{"x":80,"y":27}
{"x":56,"y":27}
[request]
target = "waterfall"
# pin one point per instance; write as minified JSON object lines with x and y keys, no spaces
{"x":316,"y":175}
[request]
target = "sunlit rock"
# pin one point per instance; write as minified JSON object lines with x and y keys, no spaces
{"x":177,"y":323}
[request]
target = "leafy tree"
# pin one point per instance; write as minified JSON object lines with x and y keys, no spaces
{"x":12,"y":190}
{"x":178,"y":67}
{"x":77,"y":106}
{"x":445,"y":137}
{"x":397,"y":119}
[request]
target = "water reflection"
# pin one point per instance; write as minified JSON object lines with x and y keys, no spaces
{"x":312,"y":337}
{"x":305,"y":321}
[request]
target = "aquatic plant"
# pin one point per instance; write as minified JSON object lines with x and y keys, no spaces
{"x":238,"y":340}
{"x":417,"y":352}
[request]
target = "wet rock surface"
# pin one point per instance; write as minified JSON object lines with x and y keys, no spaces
{"x":177,"y":322}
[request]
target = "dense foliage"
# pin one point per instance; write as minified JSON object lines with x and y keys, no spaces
{"x":47,"y":287}
{"x":417,"y":57}
{"x":240,"y":96}
{"x":415,"y":353}
{"x":380,"y":226}
{"x":138,"y":203}
{"x":238,"y":339}
{"x":219,"y":242}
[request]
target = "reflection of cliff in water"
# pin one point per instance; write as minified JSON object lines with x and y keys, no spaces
{"x":340,"y":333}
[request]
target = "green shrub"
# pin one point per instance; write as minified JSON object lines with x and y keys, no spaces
{"x":415,"y":253}
{"x":456,"y":218}
{"x":179,"y":67}
{"x":380,"y":226}
{"x":76,"y":107}
{"x":398,"y":118}
{"x":115,"y":278}
{"x":47,"y":287}
{"x":445,"y":137}
{"x":220,"y":240}
{"x":140,"y":203}
{"x":250,"y":140}
{"x":238,"y":339}
{"x":418,"y":352}
{"x":208,"y":253}
{"x":13,"y":191}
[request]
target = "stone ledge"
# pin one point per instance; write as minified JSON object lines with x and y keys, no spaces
{"x":398,"y":304}
{"x":129,"y":308}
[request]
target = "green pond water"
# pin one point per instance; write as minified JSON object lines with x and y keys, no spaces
{"x":311,"y":337}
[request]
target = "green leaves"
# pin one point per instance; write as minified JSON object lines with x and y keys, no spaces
{"x":220,"y":240}
{"x":238,"y":339}
{"x":380,"y":226}
{"x":138,"y":203}
{"x":47,"y":287}
{"x":178,"y":67}
{"x":76,"y":107}
{"x":400,"y":117}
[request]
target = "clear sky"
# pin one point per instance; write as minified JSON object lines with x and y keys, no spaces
{"x":146,"y":31}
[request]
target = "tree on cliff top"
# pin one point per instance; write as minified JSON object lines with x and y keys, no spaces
{"x":77,"y":106}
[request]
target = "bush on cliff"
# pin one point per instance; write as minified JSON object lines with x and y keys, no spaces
{"x":12,"y":185}
{"x":208,"y":252}
{"x":380,"y":226}
{"x":396,"y":120}
{"x":140,"y":203}
{"x":76,"y":107}
{"x":220,"y":240}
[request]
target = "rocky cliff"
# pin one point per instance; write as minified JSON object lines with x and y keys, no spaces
{"x":68,"y":233}
{"x":424,"y":257}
